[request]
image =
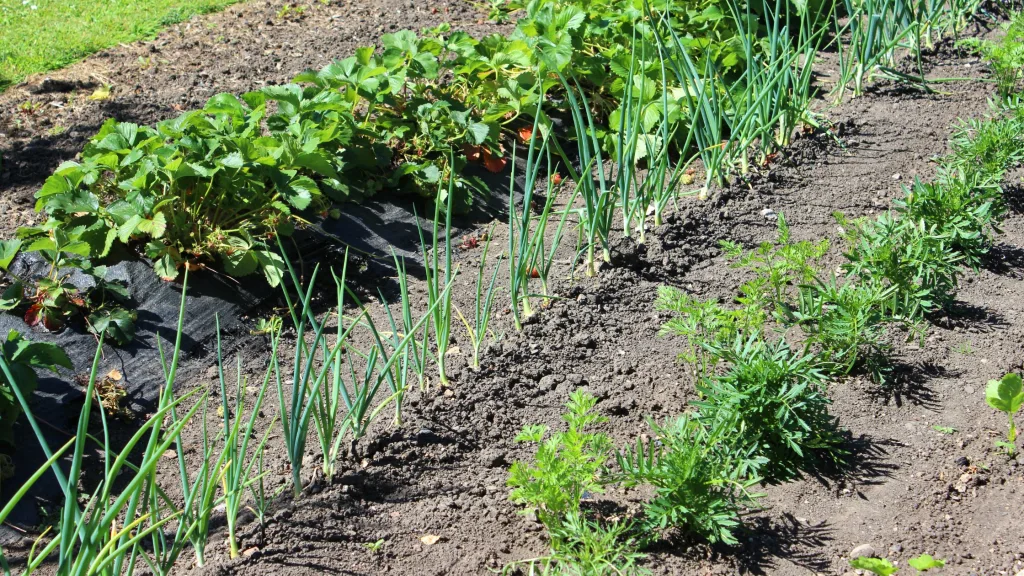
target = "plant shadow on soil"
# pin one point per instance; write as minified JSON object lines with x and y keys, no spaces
{"x":764,"y":542}
{"x":411,"y":482}
{"x":909,"y":382}
{"x":36,"y":159}
{"x":784,"y":538}
{"x":1013,"y":193}
{"x":973,"y":317}
{"x":1005,"y":260}
{"x":767,"y":540}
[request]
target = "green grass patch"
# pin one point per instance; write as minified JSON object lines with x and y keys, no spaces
{"x":41,"y":35}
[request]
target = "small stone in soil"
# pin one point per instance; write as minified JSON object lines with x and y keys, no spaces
{"x":863,"y":551}
{"x":585,"y":341}
{"x":550,"y":382}
{"x":493,"y":458}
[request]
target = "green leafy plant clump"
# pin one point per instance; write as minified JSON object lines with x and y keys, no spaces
{"x":52,"y":300}
{"x":701,"y":485}
{"x":849,"y":321}
{"x":566,"y":466}
{"x":965,"y":207}
{"x":774,"y":398}
{"x":205,"y":184}
{"x":914,"y":256}
{"x":704,"y":322}
{"x":1005,"y":55}
{"x":777,"y":266}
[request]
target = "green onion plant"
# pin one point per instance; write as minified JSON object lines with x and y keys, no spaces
{"x":598,"y":196}
{"x":297,"y":406}
{"x":439,"y":299}
{"x":876,"y":31}
{"x":416,"y":355}
{"x":483,"y":299}
{"x":238,"y":461}
{"x":93,"y":533}
{"x":529,"y":254}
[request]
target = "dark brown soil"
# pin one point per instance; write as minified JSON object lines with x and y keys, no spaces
{"x":909,"y":489}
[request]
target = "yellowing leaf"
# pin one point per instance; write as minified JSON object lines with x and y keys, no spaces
{"x":101,"y":93}
{"x":114,"y":375}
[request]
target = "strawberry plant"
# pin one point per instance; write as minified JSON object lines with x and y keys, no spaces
{"x":409,"y":120}
{"x":14,"y":290}
{"x":201,"y":185}
{"x":52,"y":300}
{"x":22,"y":358}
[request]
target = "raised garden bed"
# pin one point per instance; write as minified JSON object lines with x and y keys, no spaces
{"x":921,"y":472}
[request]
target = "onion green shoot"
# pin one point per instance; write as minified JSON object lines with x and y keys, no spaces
{"x":237,"y":472}
{"x":482,"y":303}
{"x":297,"y":407}
{"x":598,"y":197}
{"x":418,"y":351}
{"x":89,"y":539}
{"x":438,"y":298}
{"x":527,"y":255}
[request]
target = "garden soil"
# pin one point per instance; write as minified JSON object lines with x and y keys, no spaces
{"x":433,"y":490}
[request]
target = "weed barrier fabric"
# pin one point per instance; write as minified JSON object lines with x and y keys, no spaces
{"x":57,"y":401}
{"x":375,"y":227}
{"x":371,"y":230}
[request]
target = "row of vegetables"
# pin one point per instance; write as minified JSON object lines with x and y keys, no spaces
{"x":646,"y":88}
{"x":764,"y":363}
{"x":705,"y":79}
